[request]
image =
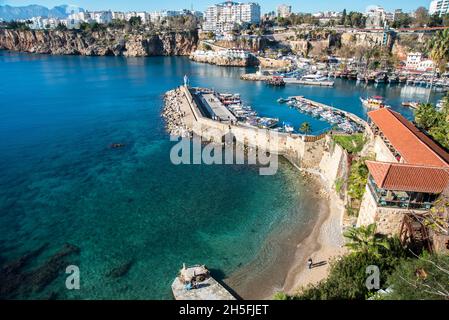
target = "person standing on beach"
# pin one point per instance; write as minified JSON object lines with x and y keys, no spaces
{"x":310,"y":263}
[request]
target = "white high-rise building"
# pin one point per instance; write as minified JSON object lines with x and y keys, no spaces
{"x":227,"y":15}
{"x":439,"y":6}
{"x":284,"y":11}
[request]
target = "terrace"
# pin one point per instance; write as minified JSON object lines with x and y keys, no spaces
{"x":406,"y":186}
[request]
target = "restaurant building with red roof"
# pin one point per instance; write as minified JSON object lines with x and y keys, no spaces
{"x":409,"y":173}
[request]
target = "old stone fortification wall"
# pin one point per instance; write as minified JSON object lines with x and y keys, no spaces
{"x":333,"y":162}
{"x":273,"y":63}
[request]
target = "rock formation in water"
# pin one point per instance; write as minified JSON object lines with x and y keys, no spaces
{"x":99,"y":43}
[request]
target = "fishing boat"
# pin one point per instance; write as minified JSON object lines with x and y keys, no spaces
{"x":360,"y":77}
{"x":375,"y":102}
{"x":380,"y":78}
{"x":370,"y":78}
{"x":352,"y":75}
{"x":266,"y":123}
{"x":196,"y":283}
{"x":402,"y":79}
{"x":393,"y":78}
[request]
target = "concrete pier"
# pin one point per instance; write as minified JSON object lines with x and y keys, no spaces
{"x":209,"y":289}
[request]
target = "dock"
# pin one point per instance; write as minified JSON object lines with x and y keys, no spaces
{"x":352,"y":117}
{"x":195,"y":283}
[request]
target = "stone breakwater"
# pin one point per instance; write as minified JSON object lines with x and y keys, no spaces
{"x":101,"y":43}
{"x":174,"y":115}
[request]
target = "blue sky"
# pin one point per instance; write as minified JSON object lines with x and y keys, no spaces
{"x":267,"y":5}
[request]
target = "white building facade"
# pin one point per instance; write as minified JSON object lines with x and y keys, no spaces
{"x":229,"y":15}
{"x":439,"y":7}
{"x":284,"y":11}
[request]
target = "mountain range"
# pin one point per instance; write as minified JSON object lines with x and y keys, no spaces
{"x":8,"y":13}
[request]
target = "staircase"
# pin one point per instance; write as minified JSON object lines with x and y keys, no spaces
{"x":414,"y":234}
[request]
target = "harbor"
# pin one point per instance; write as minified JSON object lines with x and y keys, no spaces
{"x":338,"y":119}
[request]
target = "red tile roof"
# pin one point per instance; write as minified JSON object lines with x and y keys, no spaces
{"x":413,"y":145}
{"x":406,"y":177}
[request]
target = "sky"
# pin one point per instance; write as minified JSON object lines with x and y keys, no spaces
{"x":267,"y":5}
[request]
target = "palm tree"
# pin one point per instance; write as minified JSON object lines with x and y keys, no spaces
{"x":365,"y":239}
{"x":305,"y":128}
{"x":426,"y":115}
{"x":438,"y":47}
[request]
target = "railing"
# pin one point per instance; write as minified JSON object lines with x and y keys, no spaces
{"x":402,"y":204}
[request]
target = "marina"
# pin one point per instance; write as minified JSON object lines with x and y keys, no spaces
{"x":226,"y":107}
{"x":338,"y":119}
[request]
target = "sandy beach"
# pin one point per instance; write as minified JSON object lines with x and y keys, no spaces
{"x":282,"y":263}
{"x":324,"y":243}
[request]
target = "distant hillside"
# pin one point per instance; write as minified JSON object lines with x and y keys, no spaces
{"x":12,"y":13}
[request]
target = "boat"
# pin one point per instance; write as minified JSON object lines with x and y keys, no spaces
{"x":266,"y":123}
{"x":402,"y":79}
{"x":282,"y":100}
{"x":196,"y":283}
{"x":287,"y":126}
{"x":380,"y":78}
{"x":314,"y":78}
{"x":370,"y":78}
{"x":352,"y":74}
{"x":375,"y":102}
{"x":410,"y":104}
{"x":393,"y":78}
{"x":360,"y":77}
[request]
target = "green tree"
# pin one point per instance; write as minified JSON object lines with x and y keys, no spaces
{"x":365,"y":239}
{"x":425,"y":278}
{"x":347,"y":276}
{"x":135,"y":22}
{"x":426,"y":116}
{"x":421,"y":17}
{"x":358,"y":177}
{"x":61,"y":27}
{"x":305,"y":128}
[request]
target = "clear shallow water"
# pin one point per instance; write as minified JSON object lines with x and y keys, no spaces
{"x":60,"y":182}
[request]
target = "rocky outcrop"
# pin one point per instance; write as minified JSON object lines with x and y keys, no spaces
{"x":226,"y":61}
{"x":101,"y":43}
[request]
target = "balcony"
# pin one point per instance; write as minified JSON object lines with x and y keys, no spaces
{"x":400,"y":199}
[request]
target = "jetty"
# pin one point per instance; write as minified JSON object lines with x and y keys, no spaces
{"x":196,"y":283}
{"x":350,"y":116}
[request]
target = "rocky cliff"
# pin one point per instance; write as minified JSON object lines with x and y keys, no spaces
{"x":101,"y":43}
{"x":226,"y":61}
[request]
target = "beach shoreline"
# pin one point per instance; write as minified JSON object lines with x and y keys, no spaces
{"x":323,"y":244}
{"x":285,"y":268}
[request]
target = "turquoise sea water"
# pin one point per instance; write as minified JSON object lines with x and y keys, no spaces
{"x":61,"y":183}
